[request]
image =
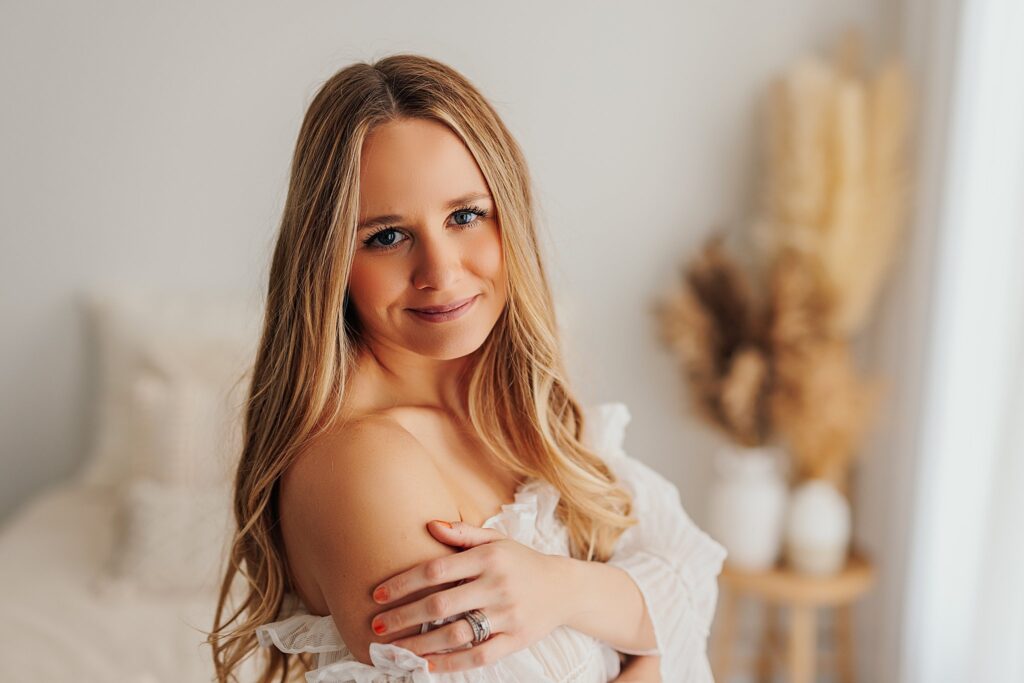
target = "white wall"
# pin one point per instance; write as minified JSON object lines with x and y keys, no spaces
{"x":149,"y":143}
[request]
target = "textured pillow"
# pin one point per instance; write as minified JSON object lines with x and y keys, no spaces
{"x":184,"y":416}
{"x":187,"y":338}
{"x":172,"y":523}
{"x":171,"y":538}
{"x":173,"y":378}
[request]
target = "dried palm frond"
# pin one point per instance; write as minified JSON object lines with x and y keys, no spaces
{"x":795,"y":181}
{"x":864,"y":242}
{"x":836,"y":175}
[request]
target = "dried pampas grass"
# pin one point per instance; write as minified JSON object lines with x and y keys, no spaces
{"x":822,"y":408}
{"x":837,"y":175}
{"x":819,"y":404}
{"x":712,"y":323}
{"x":833,"y":204}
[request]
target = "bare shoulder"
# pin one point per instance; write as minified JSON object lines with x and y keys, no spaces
{"x":354,"y":509}
{"x":373,"y":456}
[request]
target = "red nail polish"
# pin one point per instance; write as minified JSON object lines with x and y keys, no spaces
{"x":431,"y":665}
{"x":381,"y":594}
{"x":378,"y":627}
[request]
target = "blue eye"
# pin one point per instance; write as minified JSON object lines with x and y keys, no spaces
{"x":468,"y":213}
{"x":388,"y":241}
{"x":384,"y":244}
{"x":478,"y":213}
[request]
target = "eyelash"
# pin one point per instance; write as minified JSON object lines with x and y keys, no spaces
{"x":479,"y":212}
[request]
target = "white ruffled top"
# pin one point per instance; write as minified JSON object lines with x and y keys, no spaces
{"x":673,"y":562}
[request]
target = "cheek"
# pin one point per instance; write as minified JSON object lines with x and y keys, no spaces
{"x":487,"y":255}
{"x":373,"y":283}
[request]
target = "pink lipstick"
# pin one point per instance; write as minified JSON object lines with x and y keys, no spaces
{"x":456,"y":309}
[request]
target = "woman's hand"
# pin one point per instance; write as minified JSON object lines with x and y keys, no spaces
{"x":521,"y":591}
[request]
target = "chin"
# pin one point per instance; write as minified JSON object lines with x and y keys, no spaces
{"x":450,"y":349}
{"x":452,"y":344}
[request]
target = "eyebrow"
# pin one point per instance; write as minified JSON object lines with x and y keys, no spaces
{"x":395,"y":218}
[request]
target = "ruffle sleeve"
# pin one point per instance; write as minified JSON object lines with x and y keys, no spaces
{"x":672,"y":561}
{"x":563,"y":655}
{"x":304,"y":632}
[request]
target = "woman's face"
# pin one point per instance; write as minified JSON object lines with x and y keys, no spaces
{"x":427,"y":236}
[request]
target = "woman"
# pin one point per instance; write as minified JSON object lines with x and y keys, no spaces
{"x":382,"y":435}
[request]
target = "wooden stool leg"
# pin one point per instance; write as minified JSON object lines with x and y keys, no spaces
{"x":803,"y":647}
{"x":769,"y":638}
{"x":844,"y":643}
{"x":725,"y":636}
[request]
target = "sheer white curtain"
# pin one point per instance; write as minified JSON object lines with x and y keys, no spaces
{"x":964,"y":598}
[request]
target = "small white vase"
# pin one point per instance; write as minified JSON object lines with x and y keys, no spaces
{"x":748,"y":505}
{"x":817,"y":528}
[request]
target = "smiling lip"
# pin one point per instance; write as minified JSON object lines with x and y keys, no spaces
{"x":445,"y":307}
{"x":460,"y":309}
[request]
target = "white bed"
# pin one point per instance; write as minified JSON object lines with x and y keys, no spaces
{"x":111,"y":575}
{"x":60,"y":620}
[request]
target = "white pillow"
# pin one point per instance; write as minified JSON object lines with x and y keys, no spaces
{"x":184,"y":418}
{"x":171,"y":539}
{"x":172,"y":523}
{"x":173,"y":378}
{"x":188,"y":339}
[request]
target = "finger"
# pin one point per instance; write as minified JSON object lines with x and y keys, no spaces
{"x":433,"y":572}
{"x":448,"y":637}
{"x":487,"y":652}
{"x":455,"y":600}
{"x":462,"y":534}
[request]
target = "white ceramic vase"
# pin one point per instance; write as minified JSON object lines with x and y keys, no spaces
{"x":817,"y":528}
{"x":748,"y":505}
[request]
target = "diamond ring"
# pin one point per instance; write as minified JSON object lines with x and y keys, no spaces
{"x":481,"y":625}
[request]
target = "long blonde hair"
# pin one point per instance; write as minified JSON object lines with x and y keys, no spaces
{"x":517,"y":395}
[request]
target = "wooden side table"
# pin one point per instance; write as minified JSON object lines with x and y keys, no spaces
{"x":802,"y":595}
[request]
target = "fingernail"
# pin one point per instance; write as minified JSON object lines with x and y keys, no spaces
{"x":381,"y":594}
{"x":431,"y":665}
{"x":441,"y":521}
{"x":378,"y":627}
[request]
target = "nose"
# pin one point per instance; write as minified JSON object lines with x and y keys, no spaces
{"x":439,"y":263}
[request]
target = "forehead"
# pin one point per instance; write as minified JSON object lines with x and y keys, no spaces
{"x":414,"y":163}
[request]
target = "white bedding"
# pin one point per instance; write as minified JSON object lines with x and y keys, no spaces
{"x":61,"y":621}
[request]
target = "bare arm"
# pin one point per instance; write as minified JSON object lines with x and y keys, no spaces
{"x":358,"y":505}
{"x":608,"y":605}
